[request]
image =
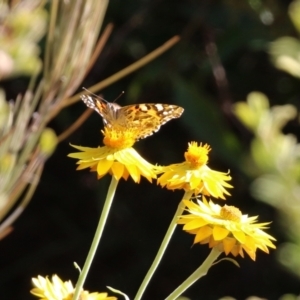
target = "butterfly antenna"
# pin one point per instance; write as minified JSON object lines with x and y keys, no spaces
{"x":119,"y":96}
{"x":97,"y":96}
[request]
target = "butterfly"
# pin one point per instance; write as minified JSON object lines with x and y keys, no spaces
{"x":146,"y":117}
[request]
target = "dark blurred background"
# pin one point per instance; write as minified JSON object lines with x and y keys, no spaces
{"x":58,"y":226}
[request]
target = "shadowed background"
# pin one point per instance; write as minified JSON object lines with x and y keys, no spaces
{"x":58,"y":226}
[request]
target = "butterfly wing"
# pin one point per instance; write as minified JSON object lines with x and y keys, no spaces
{"x":148,"y":117}
{"x":108,"y":111}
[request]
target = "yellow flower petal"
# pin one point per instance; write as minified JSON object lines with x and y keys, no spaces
{"x":104,"y":167}
{"x":226,"y":228}
{"x":117,"y":170}
{"x":120,"y":161}
{"x":228,"y":243}
{"x":133,"y":171}
{"x":236,"y":250}
{"x":194,"y":224}
{"x":194,"y":181}
{"x":59,"y":290}
{"x":194,"y":175}
{"x":220,"y":233}
{"x":202,"y":234}
{"x":240,"y":236}
{"x":86,"y":165}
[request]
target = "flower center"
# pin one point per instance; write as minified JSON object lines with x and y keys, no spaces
{"x":196,"y":155}
{"x":230,"y":213}
{"x":119,"y":138}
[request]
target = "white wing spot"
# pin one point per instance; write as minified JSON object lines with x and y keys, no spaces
{"x":146,"y":117}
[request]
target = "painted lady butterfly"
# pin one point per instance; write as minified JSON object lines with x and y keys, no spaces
{"x":147,"y":117}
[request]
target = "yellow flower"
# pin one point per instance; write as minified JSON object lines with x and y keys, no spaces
{"x":59,"y":290}
{"x":225,"y":228}
{"x":117,"y":157}
{"x":194,"y":175}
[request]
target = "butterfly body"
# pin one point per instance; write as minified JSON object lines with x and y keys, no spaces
{"x":147,"y":117}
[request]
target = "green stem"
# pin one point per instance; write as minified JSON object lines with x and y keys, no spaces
{"x":200,"y":272}
{"x":97,"y":237}
{"x":163,"y":247}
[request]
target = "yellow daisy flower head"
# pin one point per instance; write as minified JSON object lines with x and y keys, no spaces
{"x":225,"y":228}
{"x":117,"y":157}
{"x":194,"y":174}
{"x":59,"y":290}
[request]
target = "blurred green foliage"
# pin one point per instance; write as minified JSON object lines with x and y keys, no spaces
{"x":22,"y":27}
{"x":276,"y":167}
